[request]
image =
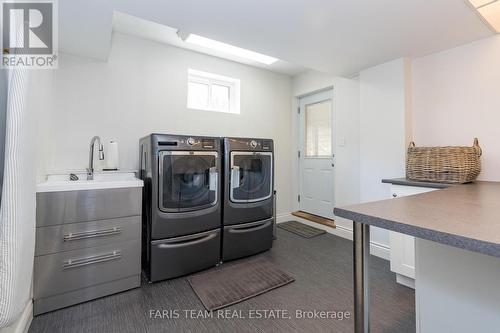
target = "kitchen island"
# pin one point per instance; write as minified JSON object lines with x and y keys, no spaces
{"x":457,"y":232}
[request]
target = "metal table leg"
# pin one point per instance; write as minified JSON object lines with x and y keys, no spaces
{"x":361,"y":287}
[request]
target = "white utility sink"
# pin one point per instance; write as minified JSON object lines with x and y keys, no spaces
{"x":58,"y":182}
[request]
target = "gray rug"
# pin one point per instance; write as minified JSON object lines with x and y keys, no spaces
{"x":301,"y":229}
{"x":237,"y":281}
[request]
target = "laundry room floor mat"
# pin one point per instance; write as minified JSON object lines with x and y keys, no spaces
{"x":301,"y":229}
{"x":235,"y":282}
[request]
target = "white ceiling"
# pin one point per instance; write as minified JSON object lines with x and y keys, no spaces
{"x":135,"y":26}
{"x":340,"y":37}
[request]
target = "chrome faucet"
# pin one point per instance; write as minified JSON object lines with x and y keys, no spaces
{"x":90,"y":169}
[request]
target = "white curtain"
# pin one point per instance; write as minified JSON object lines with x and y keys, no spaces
{"x":3,"y":112}
{"x":17,"y":211}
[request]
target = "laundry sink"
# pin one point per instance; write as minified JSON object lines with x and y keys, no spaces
{"x":57,"y":182}
{"x":88,"y":237}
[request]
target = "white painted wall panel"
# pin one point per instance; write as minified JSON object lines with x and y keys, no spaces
{"x":384,"y":118}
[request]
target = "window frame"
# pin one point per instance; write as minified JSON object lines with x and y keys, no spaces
{"x":210,"y":79}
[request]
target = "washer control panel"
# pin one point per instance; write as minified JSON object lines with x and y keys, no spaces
{"x":258,"y":144}
{"x":188,"y":142}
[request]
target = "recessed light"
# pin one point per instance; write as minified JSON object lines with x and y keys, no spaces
{"x":489,"y":10}
{"x":226,"y":48}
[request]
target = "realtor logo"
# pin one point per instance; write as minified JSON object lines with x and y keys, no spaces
{"x":29,"y":34}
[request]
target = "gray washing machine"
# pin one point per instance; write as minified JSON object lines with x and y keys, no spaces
{"x":248,"y":197}
{"x":181,"y":204}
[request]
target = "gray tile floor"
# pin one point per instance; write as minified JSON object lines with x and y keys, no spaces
{"x":323,"y":273}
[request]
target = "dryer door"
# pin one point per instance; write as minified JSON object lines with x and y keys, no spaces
{"x":251,"y":176}
{"x":188,"y":180}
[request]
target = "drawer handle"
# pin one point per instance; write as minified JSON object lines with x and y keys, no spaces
{"x":189,"y":242}
{"x":92,"y":234}
{"x":238,"y":230}
{"x":79,"y":262}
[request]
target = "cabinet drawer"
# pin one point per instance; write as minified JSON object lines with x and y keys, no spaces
{"x":183,"y":255}
{"x":54,"y":208}
{"x":398,"y":191}
{"x":66,"y":237}
{"x":66,"y":271}
{"x":247,"y":239}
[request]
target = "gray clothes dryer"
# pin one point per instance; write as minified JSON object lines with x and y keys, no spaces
{"x":248,"y":197}
{"x":182,"y":204}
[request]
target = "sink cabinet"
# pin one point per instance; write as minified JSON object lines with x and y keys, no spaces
{"x":88,"y":245}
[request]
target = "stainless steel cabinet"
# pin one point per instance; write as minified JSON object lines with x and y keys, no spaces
{"x":66,"y":237}
{"x":88,"y":245}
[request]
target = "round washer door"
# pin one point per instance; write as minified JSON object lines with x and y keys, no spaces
{"x":187,"y":180}
{"x":251,"y":176}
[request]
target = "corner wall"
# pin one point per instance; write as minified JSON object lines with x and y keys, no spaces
{"x":384,"y":131}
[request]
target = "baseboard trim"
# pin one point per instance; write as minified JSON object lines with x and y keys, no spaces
{"x":377,"y":249}
{"x":315,"y":218}
{"x":380,"y":250}
{"x":405,"y":281}
{"x":280,"y":218}
{"x":23,"y":323}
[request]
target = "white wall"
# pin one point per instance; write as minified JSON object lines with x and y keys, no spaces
{"x":456,"y":97}
{"x":40,"y":102}
{"x":143,"y":89}
{"x":384,"y":131}
{"x":346,"y":125}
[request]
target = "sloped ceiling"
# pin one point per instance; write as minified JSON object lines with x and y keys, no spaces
{"x":85,"y":27}
{"x":338,"y":37}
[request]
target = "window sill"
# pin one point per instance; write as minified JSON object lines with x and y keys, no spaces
{"x":237,"y":112}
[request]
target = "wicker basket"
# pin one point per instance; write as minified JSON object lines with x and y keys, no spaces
{"x":444,"y":164}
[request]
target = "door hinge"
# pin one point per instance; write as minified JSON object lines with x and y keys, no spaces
{"x":298,"y":198}
{"x":298,"y":153}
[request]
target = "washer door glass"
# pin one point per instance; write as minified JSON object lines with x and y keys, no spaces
{"x":187,"y":180}
{"x":251,"y":176}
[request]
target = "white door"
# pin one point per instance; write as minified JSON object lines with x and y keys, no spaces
{"x":316,"y":155}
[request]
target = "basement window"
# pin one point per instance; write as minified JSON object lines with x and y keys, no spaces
{"x":213,"y":92}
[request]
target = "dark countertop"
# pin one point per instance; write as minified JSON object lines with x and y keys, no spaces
{"x":407,"y":182}
{"x":466,"y":216}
